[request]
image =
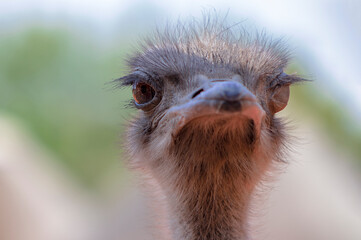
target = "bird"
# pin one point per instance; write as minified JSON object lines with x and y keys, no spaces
{"x":206,"y":132}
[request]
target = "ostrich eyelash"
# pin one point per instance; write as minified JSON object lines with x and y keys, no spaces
{"x":283,"y":79}
{"x":136,"y":77}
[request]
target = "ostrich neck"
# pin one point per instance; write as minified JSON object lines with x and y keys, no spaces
{"x":207,"y":177}
{"x":209,"y":198}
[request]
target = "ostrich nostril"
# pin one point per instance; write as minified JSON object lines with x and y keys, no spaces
{"x":197,"y":93}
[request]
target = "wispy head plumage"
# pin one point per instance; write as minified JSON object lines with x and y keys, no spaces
{"x":207,"y":130}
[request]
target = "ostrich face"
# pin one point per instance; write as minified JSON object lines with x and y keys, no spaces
{"x":203,"y":93}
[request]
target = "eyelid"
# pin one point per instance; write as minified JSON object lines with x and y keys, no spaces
{"x":141,"y":74}
{"x":277,"y":80}
{"x":134,"y":78}
{"x":128,"y":80}
{"x":146,"y":81}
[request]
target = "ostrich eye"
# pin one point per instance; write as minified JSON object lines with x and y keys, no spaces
{"x":143,"y":93}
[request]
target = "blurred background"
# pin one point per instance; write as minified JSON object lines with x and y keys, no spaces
{"x":61,"y":122}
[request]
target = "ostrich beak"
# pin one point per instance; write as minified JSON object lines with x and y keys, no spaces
{"x":222,"y":98}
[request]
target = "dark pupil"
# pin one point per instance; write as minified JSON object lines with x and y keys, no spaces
{"x":144,"y":89}
{"x":143,"y":93}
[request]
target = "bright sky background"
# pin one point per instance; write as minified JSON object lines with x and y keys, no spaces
{"x":327,"y":34}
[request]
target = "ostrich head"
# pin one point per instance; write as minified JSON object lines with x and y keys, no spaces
{"x":207,"y":130}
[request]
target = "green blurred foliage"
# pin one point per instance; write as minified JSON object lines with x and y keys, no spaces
{"x":57,"y":83}
{"x":330,"y":114}
{"x":332,"y":118}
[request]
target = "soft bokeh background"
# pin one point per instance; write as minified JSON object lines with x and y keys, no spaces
{"x":61,"y":170}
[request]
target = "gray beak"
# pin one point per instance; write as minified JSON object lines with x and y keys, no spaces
{"x":221,"y":98}
{"x":228,"y":94}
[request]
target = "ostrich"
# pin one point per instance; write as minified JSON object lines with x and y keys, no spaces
{"x":206,"y":133}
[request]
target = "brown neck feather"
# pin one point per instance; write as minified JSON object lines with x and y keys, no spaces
{"x":208,"y":184}
{"x":212,"y":204}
